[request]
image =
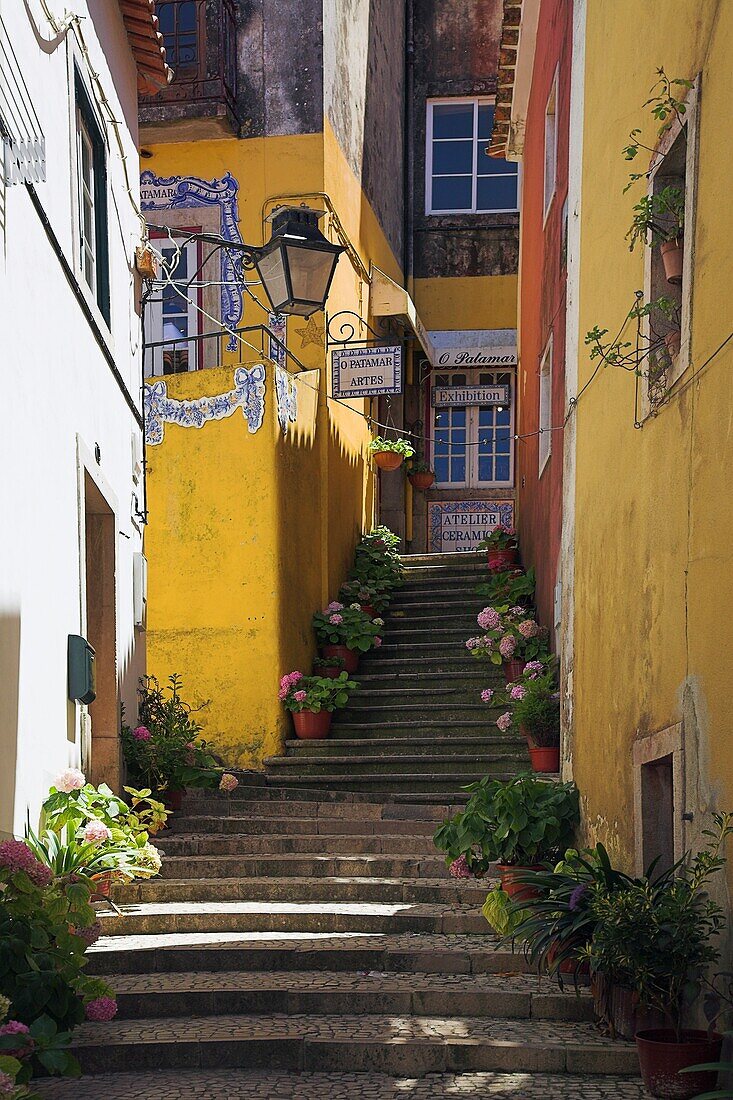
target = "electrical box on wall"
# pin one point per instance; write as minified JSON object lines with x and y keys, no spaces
{"x":140,"y":589}
{"x":81,"y":673}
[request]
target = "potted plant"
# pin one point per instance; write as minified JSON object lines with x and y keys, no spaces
{"x":501,"y":545}
{"x":508,"y":588}
{"x":659,"y":219}
{"x":656,"y":937}
{"x":330,"y":667}
{"x":670,"y":310}
{"x":312,"y":700}
{"x":515,"y":824}
{"x":389,"y":454}
{"x":511,"y":638}
{"x":420,"y":474}
{"x":536,"y":710}
{"x":372,"y":599}
{"x":346,"y":632}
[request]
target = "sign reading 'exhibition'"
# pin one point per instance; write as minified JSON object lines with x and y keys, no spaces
{"x":444,"y":396}
{"x":366,"y":372}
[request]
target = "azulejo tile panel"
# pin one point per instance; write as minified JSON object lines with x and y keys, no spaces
{"x":248,"y":395}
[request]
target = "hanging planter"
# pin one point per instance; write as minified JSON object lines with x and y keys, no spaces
{"x":420,"y":475}
{"x":389,"y":454}
{"x":312,"y":725}
{"x":672,"y":254}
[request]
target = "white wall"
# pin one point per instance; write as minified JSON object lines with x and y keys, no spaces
{"x":60,"y":400}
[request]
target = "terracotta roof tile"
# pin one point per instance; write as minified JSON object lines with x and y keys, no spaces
{"x":146,"y":43}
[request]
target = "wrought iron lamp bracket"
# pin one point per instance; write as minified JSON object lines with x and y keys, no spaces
{"x":342,"y":329}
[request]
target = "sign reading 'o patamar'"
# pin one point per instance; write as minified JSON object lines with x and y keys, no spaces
{"x":445,"y":396}
{"x":366,"y":372}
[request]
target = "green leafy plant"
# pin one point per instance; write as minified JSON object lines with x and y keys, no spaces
{"x":377,"y":564}
{"x":349,"y":626}
{"x":658,"y":217}
{"x":315,"y":693}
{"x":81,"y":805}
{"x":371,"y":596}
{"x":504,"y":917}
{"x":523,"y":821}
{"x":536,"y":709}
{"x":656,"y":935}
{"x":666,"y":108}
{"x":419,"y":466}
{"x":396,"y":446}
{"x":507,"y":588}
{"x":329,"y":662}
{"x":501,"y":538}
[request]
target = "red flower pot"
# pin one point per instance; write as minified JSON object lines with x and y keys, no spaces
{"x":661,"y":1058}
{"x":672,"y":252}
{"x":502,"y":559}
{"x":517,"y":891}
{"x":349,"y":656}
{"x":512,"y":670}
{"x":544,"y":760}
{"x":312,"y":725}
{"x":369,"y":610}
{"x":576,"y":967}
{"x":103,"y":885}
{"x":421,"y":481}
{"x":388,"y":460}
{"x":329,"y":672}
{"x":173,"y":800}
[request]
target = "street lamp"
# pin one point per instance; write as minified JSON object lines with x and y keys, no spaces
{"x":297,"y":264}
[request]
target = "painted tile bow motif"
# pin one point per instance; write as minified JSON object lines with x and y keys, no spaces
{"x":248,"y":395}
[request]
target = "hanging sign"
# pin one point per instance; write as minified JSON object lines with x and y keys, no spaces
{"x":366,"y":372}
{"x":445,"y":396}
{"x":456,"y":525}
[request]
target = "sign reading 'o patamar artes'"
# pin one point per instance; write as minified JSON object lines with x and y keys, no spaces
{"x":366,"y":372}
{"x":457,"y":525}
{"x":444,"y":396}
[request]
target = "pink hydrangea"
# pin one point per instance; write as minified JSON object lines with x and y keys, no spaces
{"x":517,"y":691}
{"x":334,"y":606}
{"x":528,"y":628}
{"x":90,"y":934}
{"x":517,"y":612}
{"x":70,"y":779}
{"x":489,"y":619}
{"x":507,"y":645}
{"x":96,"y":831}
{"x":377,"y":642}
{"x":141,"y":733}
{"x":533,"y":669}
{"x":101,"y":1009}
{"x":459,"y":868}
{"x":336,"y":619}
{"x":15,"y":855}
{"x":229,"y":782}
{"x":504,"y":721}
{"x":300,"y":696}
{"x":7,"y":1085}
{"x":287,"y":682}
{"x":487,"y":695}
{"x":25,"y":1047}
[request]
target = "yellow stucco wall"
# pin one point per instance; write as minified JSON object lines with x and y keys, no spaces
{"x":249,"y":534}
{"x":653,"y":630}
{"x":468,"y":302}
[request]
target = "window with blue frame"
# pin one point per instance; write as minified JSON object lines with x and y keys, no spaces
{"x":473,"y":445}
{"x":460,"y":177}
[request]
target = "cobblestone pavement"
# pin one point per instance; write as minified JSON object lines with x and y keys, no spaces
{"x":255,"y":1085}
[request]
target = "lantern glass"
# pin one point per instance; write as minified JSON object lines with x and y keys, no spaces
{"x":310,"y":273}
{"x":271,"y":268}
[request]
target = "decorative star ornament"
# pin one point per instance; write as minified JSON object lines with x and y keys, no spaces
{"x":313,"y":333}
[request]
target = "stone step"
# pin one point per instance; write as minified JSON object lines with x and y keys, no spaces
{"x":263,"y":790}
{"x":425,"y":606}
{"x":419,"y":765}
{"x":302,"y":865}
{"x":457,"y":743}
{"x":289,"y":842}
{"x":259,"y":805}
{"x":285,"y":916}
{"x":213,"y":952}
{"x":391,"y":783}
{"x":227,"y":1084}
{"x":409,"y":724}
{"x":291,"y":826}
{"x":361,"y":886}
{"x":399,"y":1046}
{"x":446,"y":734}
{"x":459,"y":662}
{"x":407,"y":631}
{"x":323,"y":993}
{"x":367,"y":704}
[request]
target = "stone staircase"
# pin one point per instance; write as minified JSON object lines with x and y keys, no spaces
{"x":417,"y":725}
{"x":305,"y":939}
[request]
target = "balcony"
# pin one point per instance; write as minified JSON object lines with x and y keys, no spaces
{"x":201,"y":47}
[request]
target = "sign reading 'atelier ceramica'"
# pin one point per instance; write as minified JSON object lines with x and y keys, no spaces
{"x":366,"y":372}
{"x":457,"y":525}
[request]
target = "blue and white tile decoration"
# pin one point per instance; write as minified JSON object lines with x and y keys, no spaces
{"x":248,"y":395}
{"x":287,"y":398}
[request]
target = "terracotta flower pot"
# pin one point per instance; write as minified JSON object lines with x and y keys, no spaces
{"x":173,"y":800}
{"x":312,"y":725}
{"x":103,"y":885}
{"x":512,"y":670}
{"x":369,"y":610}
{"x":388,"y":460}
{"x":421,"y":481}
{"x":577,"y":968}
{"x":502,"y":559}
{"x":544,"y":760}
{"x":672,"y":260}
{"x":661,"y":1058}
{"x":673,"y":341}
{"x":517,"y":891}
{"x":329,"y":672}
{"x":349,"y":656}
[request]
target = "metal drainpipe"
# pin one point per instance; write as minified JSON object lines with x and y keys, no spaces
{"x":408,"y":214}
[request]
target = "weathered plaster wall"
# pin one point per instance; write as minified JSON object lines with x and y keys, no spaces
{"x":653,"y":518}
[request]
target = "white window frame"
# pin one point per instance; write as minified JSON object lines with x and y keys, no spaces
{"x":477,"y":101}
{"x":86,"y":197}
{"x":550,"y":167}
{"x":471,"y":480}
{"x":544,"y":410}
{"x":154,"y":320}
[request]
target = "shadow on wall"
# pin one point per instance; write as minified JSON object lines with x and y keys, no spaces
{"x":9,"y":678}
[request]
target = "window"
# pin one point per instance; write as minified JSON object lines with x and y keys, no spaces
{"x":472,"y":445}
{"x":172,"y":314}
{"x":545,"y":410}
{"x":460,"y":177}
{"x":550,"y":146}
{"x":91,"y":179}
{"x":178,"y":25}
